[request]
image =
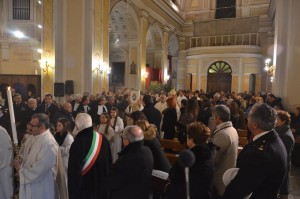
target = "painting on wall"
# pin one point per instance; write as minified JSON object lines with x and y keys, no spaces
{"x":117,"y":74}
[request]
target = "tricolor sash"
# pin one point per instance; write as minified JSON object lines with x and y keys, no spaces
{"x":93,"y":153}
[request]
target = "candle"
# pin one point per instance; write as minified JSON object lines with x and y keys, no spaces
{"x":12,"y":116}
{"x":35,"y":72}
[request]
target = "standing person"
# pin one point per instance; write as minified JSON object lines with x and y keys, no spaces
{"x":118,"y":126}
{"x":283,"y":129}
{"x":262,"y":163}
{"x":225,"y":139}
{"x":41,"y":167}
{"x":153,"y":115}
{"x":200,"y":173}
{"x":65,"y":112}
{"x":150,"y":140}
{"x":169,"y":120}
{"x":105,"y":129}
{"x":48,"y":107}
{"x":162,"y":104}
{"x":84,"y":105}
{"x":6,"y":170}
{"x":131,"y":174}
{"x":85,"y":171}
{"x":64,"y":140}
{"x":97,"y":108}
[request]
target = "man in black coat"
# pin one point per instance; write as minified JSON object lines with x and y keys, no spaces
{"x":131,"y":174}
{"x":262,"y":163}
{"x":48,"y":107}
{"x":153,"y":115}
{"x":66,"y":113}
{"x":90,"y":184}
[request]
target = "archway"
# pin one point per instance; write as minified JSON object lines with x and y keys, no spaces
{"x":219,"y":77}
{"x":123,"y":37}
{"x":172,"y":58}
{"x":153,"y":55}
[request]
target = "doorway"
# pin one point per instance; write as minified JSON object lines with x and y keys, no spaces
{"x":219,"y":77}
{"x":117,"y":75}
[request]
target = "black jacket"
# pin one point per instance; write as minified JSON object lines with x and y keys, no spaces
{"x":169,"y":123}
{"x":131,"y":173}
{"x":89,"y":186}
{"x":161,"y":162}
{"x":262,"y":166}
{"x":200,"y":176}
{"x":153,"y":115}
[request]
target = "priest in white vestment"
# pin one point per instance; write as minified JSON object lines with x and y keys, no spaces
{"x":41,"y":170}
{"x":6,"y":169}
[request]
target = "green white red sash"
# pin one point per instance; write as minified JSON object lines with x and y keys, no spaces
{"x":93,"y":153}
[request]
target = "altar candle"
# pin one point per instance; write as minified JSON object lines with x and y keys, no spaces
{"x":12,"y":116}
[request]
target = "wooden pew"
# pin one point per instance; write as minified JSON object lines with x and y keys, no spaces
{"x":243,"y":140}
{"x":172,"y":149}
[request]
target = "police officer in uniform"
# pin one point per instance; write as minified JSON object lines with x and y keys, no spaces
{"x":262,"y":163}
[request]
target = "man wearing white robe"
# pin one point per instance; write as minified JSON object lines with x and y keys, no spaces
{"x":41,"y":162}
{"x":6,"y":170}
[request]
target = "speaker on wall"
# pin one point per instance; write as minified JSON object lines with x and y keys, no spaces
{"x":69,"y":87}
{"x":59,"y":89}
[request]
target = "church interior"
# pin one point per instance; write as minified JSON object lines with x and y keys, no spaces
{"x":68,"y":47}
{"x":95,"y":45}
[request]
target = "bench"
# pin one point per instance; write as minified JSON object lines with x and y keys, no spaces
{"x":172,"y":148}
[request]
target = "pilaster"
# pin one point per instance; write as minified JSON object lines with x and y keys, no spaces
{"x":48,"y":55}
{"x":142,"y":69}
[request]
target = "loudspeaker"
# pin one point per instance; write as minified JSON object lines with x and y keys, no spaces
{"x":69,"y":87}
{"x":59,"y":89}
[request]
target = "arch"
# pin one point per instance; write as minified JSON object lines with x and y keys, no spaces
{"x":124,"y":24}
{"x":154,"y":37}
{"x":219,"y":67}
{"x":219,"y":77}
{"x":173,"y":45}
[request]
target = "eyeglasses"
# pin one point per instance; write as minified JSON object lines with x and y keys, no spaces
{"x":32,"y":125}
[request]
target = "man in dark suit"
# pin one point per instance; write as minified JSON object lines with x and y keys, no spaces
{"x":97,"y":108}
{"x":86,"y":172}
{"x":131,"y":174}
{"x":262,"y":163}
{"x":20,"y":110}
{"x":48,"y":107}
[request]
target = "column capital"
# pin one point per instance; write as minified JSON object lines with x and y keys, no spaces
{"x":166,"y":29}
{"x":144,"y":14}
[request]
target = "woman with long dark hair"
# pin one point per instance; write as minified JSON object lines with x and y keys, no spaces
{"x":64,"y":139}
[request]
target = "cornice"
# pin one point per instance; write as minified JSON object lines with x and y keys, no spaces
{"x":158,"y":8}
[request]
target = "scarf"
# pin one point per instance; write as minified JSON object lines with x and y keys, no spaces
{"x":60,"y":138}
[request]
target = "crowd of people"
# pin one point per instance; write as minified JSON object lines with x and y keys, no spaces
{"x":105,"y":146}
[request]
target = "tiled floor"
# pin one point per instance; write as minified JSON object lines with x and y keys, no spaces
{"x":295,"y":183}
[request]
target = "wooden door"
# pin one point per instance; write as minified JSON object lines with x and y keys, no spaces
{"x":219,"y":82}
{"x":22,"y":84}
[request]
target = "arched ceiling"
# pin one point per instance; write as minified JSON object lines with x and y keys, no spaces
{"x":153,"y":38}
{"x":122,"y":26}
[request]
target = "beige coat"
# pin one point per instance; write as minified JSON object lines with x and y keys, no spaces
{"x":225,"y":138}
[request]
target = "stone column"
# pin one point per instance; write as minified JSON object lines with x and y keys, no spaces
{"x":164,"y":58}
{"x":181,"y":66}
{"x":105,"y":43}
{"x":142,"y":68}
{"x":286,"y":52}
{"x":47,"y":76}
{"x":97,"y":45}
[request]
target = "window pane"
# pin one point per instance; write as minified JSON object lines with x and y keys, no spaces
{"x":21,"y":9}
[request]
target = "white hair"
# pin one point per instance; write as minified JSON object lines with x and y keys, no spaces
{"x":82,"y":121}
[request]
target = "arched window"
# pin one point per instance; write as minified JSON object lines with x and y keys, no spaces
{"x":219,"y":77}
{"x":219,"y":67}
